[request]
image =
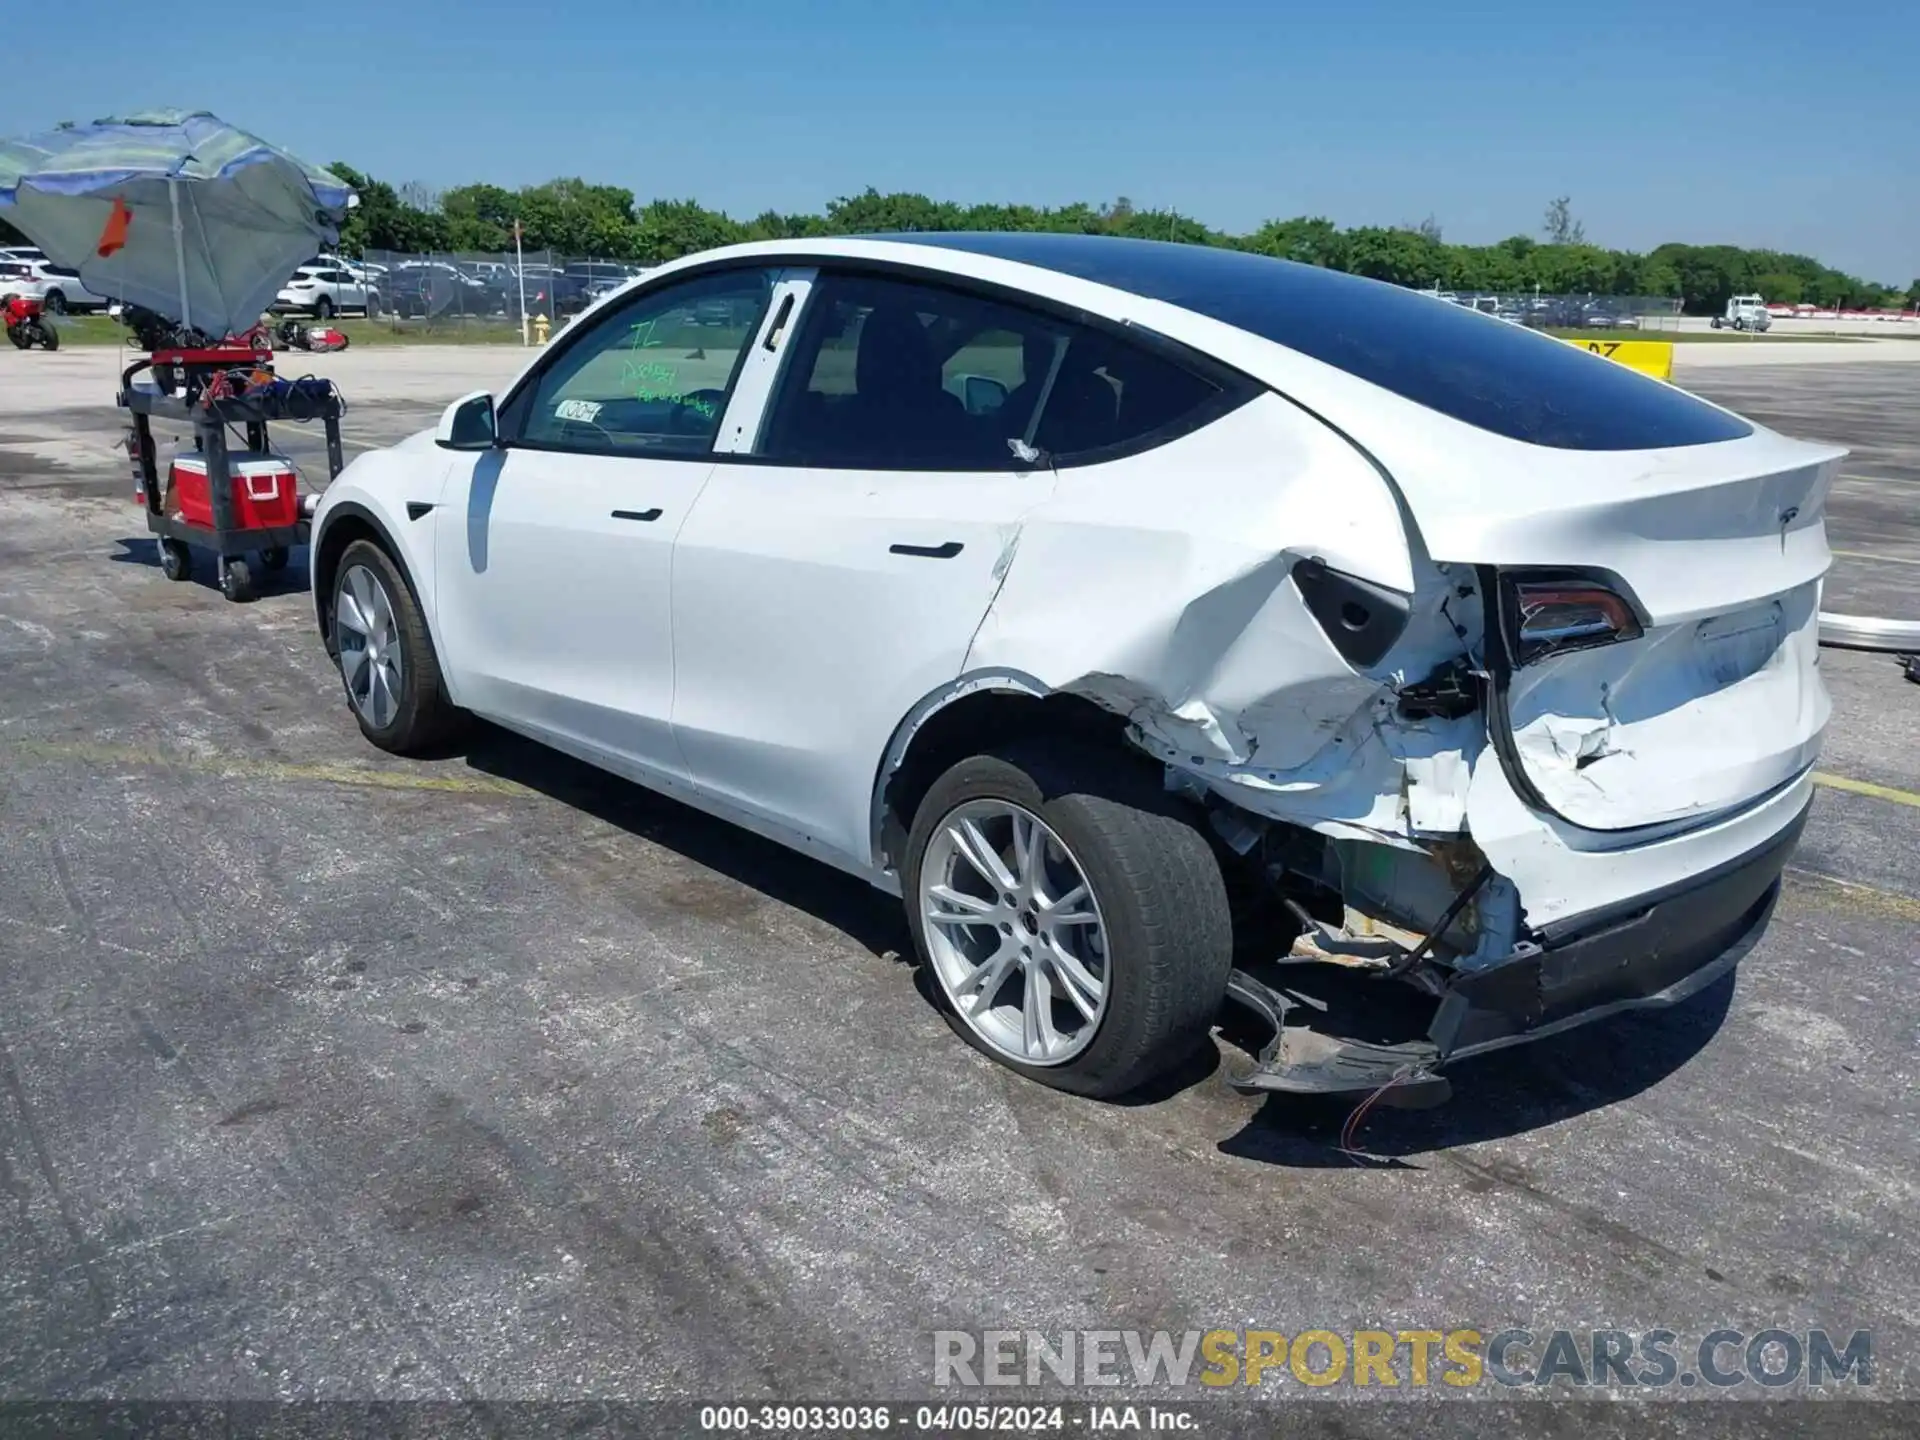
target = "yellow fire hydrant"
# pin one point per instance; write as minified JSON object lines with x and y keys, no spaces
{"x":539,"y":329}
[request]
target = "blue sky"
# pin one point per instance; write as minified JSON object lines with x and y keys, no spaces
{"x":1795,"y":127}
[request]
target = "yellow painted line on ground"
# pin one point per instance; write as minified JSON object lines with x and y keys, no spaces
{"x":230,"y":767}
{"x":1866,"y":787}
{"x":1869,"y":555}
{"x":1887,"y":902}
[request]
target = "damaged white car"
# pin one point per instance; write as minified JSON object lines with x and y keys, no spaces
{"x":1164,"y":624}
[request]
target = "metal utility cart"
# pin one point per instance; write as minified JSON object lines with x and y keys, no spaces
{"x":187,"y":386}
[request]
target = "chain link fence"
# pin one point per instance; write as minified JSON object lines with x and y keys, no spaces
{"x":472,"y":289}
{"x":1572,"y":312}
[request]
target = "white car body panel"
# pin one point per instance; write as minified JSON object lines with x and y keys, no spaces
{"x":801,"y":656}
{"x":556,"y":599}
{"x":801,"y":639}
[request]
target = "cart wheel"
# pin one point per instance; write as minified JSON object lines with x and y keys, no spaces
{"x":274,"y":559}
{"x":236,"y":581}
{"x":176,"y":560}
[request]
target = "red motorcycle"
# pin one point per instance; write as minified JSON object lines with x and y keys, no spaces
{"x":27,"y":324}
{"x":320,"y":339}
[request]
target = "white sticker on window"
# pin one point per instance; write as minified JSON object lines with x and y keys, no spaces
{"x":583,"y":410}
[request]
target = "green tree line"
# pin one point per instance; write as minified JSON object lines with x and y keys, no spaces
{"x":576,"y":218}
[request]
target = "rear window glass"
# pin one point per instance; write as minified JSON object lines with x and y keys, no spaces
{"x":1499,"y":377}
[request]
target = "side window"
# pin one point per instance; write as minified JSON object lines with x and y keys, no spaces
{"x":1111,"y":393}
{"x":651,"y":377}
{"x":892,"y":374}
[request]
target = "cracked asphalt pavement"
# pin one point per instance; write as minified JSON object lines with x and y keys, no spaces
{"x":329,"y":1075}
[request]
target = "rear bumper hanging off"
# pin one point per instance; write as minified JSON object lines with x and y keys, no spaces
{"x":1656,"y":952}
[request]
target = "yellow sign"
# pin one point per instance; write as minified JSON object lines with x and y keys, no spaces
{"x":1649,"y":357}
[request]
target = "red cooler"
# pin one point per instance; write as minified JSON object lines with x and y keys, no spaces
{"x":265,"y":490}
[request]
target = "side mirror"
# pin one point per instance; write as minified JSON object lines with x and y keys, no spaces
{"x":467,"y":424}
{"x":981,"y":395}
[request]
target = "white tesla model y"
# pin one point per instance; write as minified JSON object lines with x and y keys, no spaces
{"x":1096,"y":596}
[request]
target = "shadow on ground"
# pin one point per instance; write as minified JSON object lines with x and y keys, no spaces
{"x":1498,"y":1095}
{"x":292,"y":579}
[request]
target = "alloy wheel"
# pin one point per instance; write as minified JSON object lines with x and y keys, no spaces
{"x":1014,"y":932}
{"x":372,"y":661}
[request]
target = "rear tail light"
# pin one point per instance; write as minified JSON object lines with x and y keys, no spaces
{"x":1551,"y":617}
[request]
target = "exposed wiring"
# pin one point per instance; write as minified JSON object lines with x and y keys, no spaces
{"x":1452,"y":913}
{"x":1350,"y":1132}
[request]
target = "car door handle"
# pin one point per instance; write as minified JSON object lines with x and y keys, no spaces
{"x":653,"y":514}
{"x":930,"y":552}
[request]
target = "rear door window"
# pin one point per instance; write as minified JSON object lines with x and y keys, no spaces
{"x":889,"y":373}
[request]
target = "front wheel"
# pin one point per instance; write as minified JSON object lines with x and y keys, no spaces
{"x":1074,"y":922}
{"x":387,"y":661}
{"x":176,"y":560}
{"x":49,"y":337}
{"x":323,"y":309}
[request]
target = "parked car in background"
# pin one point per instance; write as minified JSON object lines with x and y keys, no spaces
{"x":599,"y":278}
{"x":420,"y":288}
{"x":550,"y":292}
{"x":17,"y":278}
{"x":61,"y":289}
{"x":325,"y":287}
{"x":1604,"y":317}
{"x":1100,"y":596}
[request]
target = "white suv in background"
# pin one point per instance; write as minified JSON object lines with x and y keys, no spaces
{"x":325,"y":286}
{"x":56,"y":285}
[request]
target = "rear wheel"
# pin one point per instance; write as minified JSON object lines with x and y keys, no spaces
{"x":1074,"y":923}
{"x":56,"y":302}
{"x":176,"y":560}
{"x":323,"y":309}
{"x":49,"y":337}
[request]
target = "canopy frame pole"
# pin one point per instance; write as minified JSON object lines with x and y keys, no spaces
{"x":179,"y":253}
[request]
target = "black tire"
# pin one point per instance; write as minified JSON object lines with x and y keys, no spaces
{"x":425,"y":719}
{"x":1158,"y":887}
{"x":18,"y":335}
{"x":236,"y":581}
{"x":1714,"y":323}
{"x":56,"y":302}
{"x":275,"y":559}
{"x":323,"y":309}
{"x":176,"y":560}
{"x":373,"y":305}
{"x":49,"y":337}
